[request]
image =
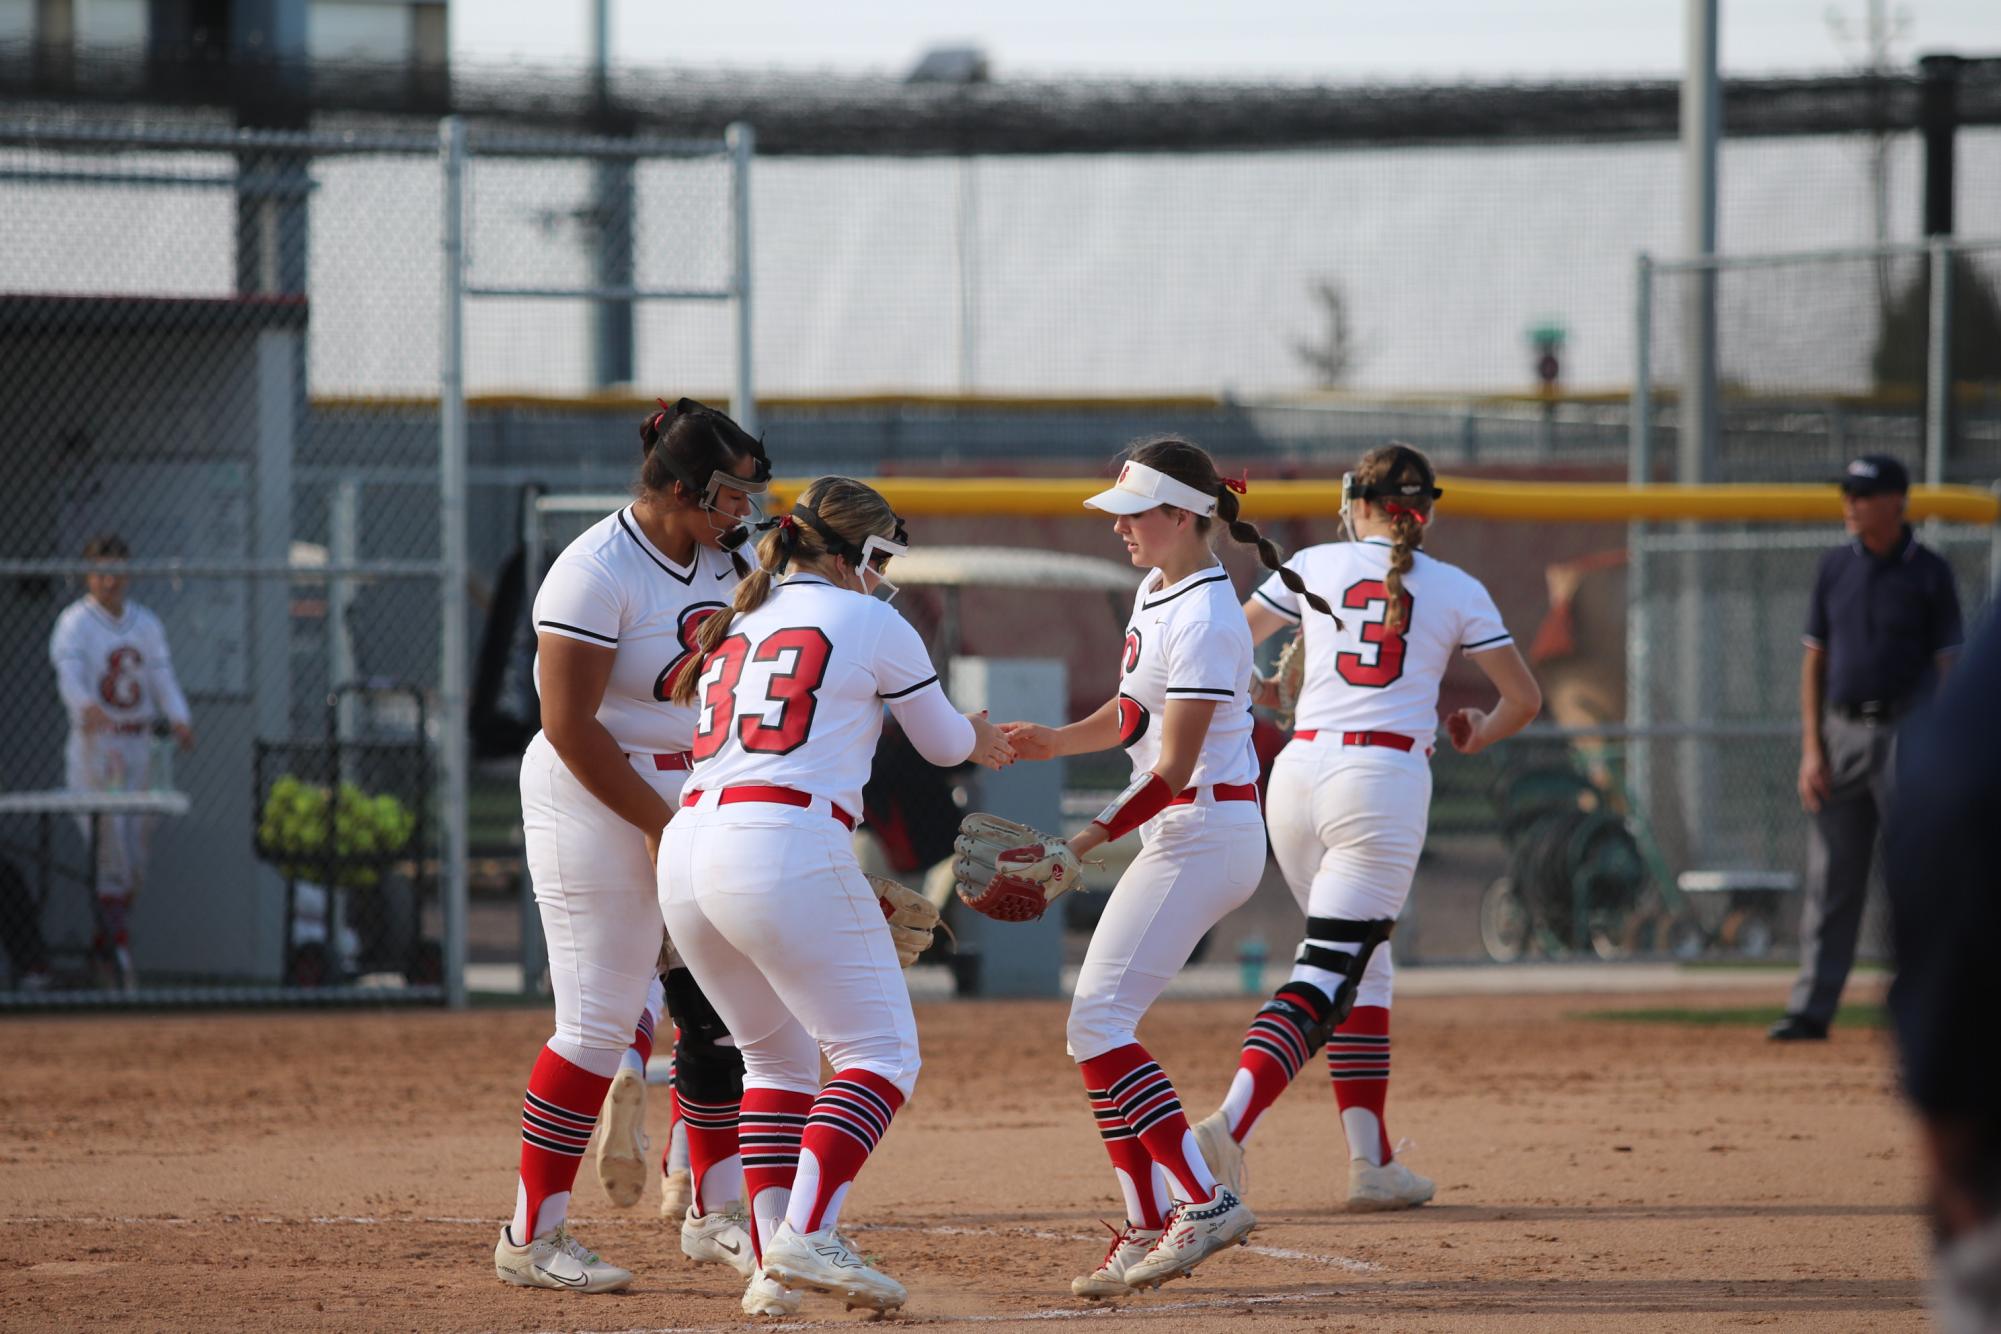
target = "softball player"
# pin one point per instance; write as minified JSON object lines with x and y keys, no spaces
{"x":1349,"y":797}
{"x":759,"y":884}
{"x":619,"y":610}
{"x":116,"y":678}
{"x":1183,"y":713}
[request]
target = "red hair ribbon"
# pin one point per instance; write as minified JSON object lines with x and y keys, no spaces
{"x":1394,"y":509}
{"x":1241,"y":485}
{"x":788,"y":525}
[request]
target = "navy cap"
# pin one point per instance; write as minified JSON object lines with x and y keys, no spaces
{"x":1875,"y":475}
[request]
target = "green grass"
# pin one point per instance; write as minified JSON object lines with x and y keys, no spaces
{"x":1751,"y":1016}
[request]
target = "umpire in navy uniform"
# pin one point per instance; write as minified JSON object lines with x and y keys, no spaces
{"x":1880,"y":632}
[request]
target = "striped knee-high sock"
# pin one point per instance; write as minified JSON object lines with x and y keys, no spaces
{"x":1358,"y":1060}
{"x":769,"y":1128}
{"x":713,"y":1170}
{"x":1277,"y":1044}
{"x":1140,"y":1179}
{"x":848,"y":1120}
{"x":1146,"y":1099}
{"x":555,"y":1129}
{"x":674,"y":1157}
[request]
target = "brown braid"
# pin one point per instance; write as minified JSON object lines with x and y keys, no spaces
{"x":1397,"y":466}
{"x":1246,"y":532}
{"x":1191,"y":465}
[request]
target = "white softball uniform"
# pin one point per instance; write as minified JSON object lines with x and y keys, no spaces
{"x":1203,"y":855}
{"x":758,"y":880}
{"x":122,"y":665}
{"x":593,"y":883}
{"x":1348,"y":820}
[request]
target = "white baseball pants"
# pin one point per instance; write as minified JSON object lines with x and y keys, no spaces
{"x":120,"y":762}
{"x":770,"y":910}
{"x":1199,"y":862}
{"x":594,"y":887}
{"x":1347,"y":825}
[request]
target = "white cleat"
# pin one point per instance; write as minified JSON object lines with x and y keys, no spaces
{"x":677,"y":1192}
{"x":1194,"y":1233}
{"x":1221,"y":1151}
{"x":555,"y":1260}
{"x":1109,"y":1278}
{"x":1372,"y":1189}
{"x":824,"y":1262}
{"x":721,"y":1237}
{"x":765,"y":1295}
{"x":622,"y":1138}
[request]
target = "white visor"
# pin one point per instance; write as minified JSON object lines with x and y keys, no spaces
{"x":1140,"y":488}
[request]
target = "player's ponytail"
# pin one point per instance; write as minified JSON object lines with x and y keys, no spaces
{"x":1246,"y":532}
{"x":1191,"y":465}
{"x":850,"y":509}
{"x":1398,"y":480}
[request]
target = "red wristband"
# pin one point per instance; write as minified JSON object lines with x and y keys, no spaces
{"x":1146,"y":797}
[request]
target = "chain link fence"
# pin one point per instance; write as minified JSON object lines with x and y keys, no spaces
{"x":221,"y":660}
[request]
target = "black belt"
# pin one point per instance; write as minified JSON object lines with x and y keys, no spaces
{"x":1872,"y":710}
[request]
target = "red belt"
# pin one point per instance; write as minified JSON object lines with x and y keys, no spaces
{"x":130,"y":729}
{"x":777,"y":796}
{"x":673,"y":761}
{"x":1220,"y":792}
{"x":1390,"y":740}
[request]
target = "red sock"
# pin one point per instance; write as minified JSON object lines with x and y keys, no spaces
{"x":1132,"y":1164}
{"x":848,"y":1120}
{"x":1275,"y":1047}
{"x":712,"y":1137}
{"x":769,"y":1127}
{"x":1146,"y":1099}
{"x":1358,"y":1060}
{"x":642,"y":1037}
{"x":554,"y":1133}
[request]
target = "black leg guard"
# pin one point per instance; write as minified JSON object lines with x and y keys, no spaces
{"x":1294,"y":1024}
{"x":1321,"y":932}
{"x":707,"y":1068}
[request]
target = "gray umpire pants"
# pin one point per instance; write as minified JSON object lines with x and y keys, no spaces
{"x":1841,"y":845}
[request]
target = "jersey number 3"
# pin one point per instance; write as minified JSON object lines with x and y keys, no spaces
{"x":1357,"y":670}
{"x":793,"y":690}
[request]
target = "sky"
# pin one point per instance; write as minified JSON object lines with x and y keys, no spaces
{"x":1334,"y":40}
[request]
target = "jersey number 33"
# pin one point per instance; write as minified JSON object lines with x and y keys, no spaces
{"x":791,"y":691}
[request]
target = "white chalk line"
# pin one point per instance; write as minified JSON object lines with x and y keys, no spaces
{"x":1348,"y":1263}
{"x":1098,"y":1312}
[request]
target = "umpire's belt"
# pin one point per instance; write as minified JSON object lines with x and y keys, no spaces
{"x":765,"y":792}
{"x":1873,"y":711}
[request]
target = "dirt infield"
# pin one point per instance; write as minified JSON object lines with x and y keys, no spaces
{"x":350,"y":1171}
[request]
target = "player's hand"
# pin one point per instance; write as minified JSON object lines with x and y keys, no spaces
{"x":1031,"y":741}
{"x":94,"y":719}
{"x":991,"y":746}
{"x":1264,"y":691}
{"x":1814,"y":783}
{"x":1463,"y":728}
{"x":184,"y":737}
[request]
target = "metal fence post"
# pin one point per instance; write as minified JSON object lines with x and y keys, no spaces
{"x":742,"y":141}
{"x":452,"y":754}
{"x":1938,"y":361}
{"x":1640,"y":472}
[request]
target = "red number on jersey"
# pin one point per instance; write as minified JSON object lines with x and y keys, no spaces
{"x":119,"y":687}
{"x":1388,"y":666}
{"x":795,"y":690}
{"x":689,"y":628}
{"x":717,"y":695}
